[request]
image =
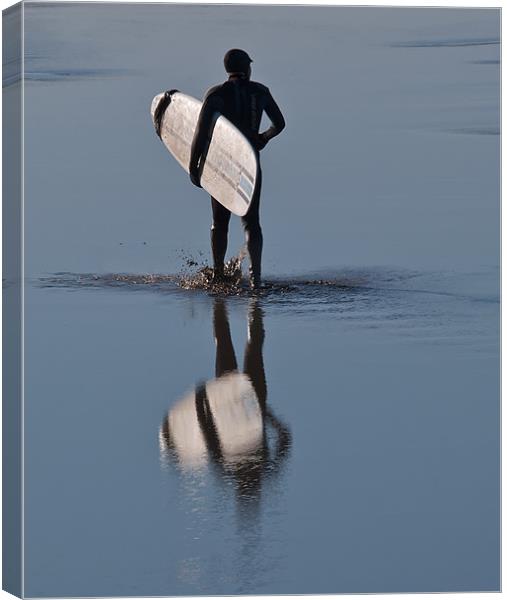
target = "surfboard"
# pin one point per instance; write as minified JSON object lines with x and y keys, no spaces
{"x":231,"y":165}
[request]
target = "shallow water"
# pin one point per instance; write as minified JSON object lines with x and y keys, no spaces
{"x":337,"y":431}
{"x":379,"y":460}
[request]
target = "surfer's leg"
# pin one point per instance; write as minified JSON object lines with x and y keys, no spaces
{"x":253,"y":234}
{"x":219,"y":231}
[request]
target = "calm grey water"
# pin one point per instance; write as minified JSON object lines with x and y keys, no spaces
{"x":340,"y":433}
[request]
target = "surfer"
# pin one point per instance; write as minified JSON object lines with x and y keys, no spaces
{"x":242,"y":102}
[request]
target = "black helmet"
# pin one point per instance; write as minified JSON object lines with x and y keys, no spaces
{"x":236,"y":61}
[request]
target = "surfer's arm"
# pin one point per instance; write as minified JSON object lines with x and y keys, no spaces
{"x":197,"y":148}
{"x":210,"y":106}
{"x":275,"y":116}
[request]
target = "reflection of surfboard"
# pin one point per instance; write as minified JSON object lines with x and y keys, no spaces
{"x":230,"y":169}
{"x":235,"y":415}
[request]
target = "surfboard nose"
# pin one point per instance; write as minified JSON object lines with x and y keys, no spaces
{"x":154,"y":103}
{"x":159,"y":105}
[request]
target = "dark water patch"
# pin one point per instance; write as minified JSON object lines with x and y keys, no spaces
{"x":12,"y":74}
{"x":485,"y":62}
{"x":156,"y":282}
{"x":474,"y":130}
{"x":323,"y":287}
{"x":432,"y":307}
{"x":201,"y":278}
{"x":454,"y":43}
{"x":231,"y":283}
{"x":74,"y":74}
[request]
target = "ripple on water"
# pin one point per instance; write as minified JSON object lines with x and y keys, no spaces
{"x":426,"y":305}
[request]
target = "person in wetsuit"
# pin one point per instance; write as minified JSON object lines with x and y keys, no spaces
{"x":242,"y":102}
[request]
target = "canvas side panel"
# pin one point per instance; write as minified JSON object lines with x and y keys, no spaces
{"x":12,"y":298}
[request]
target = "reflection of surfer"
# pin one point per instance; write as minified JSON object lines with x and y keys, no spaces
{"x":242,"y":102}
{"x":225,"y":421}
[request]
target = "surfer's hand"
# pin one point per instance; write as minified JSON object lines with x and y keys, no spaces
{"x":260,"y":142}
{"x":194,"y":178}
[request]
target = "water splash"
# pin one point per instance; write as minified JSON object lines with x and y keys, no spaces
{"x":231,"y":282}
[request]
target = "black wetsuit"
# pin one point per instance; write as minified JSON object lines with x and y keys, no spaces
{"x":242,"y":102}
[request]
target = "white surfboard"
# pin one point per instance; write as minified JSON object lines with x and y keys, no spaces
{"x":230,"y":168}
